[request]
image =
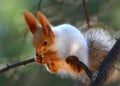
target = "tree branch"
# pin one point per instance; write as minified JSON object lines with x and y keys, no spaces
{"x":86,"y":13}
{"x":105,"y":69}
{"x":39,"y":4}
{"x":102,"y":73}
{"x":96,"y":79}
{"x":106,"y":8}
{"x":8,"y":67}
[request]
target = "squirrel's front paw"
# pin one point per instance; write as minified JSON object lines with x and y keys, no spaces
{"x":38,"y":60}
{"x":73,"y":62}
{"x":71,"y":59}
{"x":41,"y":59}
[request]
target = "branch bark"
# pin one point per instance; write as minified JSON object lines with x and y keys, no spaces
{"x":105,"y":69}
{"x":39,"y":4}
{"x":8,"y":67}
{"x":86,"y":13}
{"x":102,"y":73}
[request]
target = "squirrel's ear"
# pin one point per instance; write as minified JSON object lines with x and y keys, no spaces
{"x":45,"y":24}
{"x":30,"y":21}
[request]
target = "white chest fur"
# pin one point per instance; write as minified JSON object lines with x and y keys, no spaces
{"x":70,"y":41}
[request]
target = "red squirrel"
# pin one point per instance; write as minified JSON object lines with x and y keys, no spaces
{"x":53,"y":44}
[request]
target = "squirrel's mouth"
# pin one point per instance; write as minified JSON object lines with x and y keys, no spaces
{"x":40,"y":55}
{"x":37,"y":55}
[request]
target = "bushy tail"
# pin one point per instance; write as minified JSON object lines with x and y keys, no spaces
{"x":99,"y":44}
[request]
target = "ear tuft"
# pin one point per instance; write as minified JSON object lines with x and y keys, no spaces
{"x":44,"y":22}
{"x":30,"y":21}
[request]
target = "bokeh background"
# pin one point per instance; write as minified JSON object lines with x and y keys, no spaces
{"x":16,"y":40}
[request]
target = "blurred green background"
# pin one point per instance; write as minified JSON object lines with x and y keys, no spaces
{"x":16,"y":40}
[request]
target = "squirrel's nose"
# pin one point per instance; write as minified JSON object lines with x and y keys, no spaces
{"x":37,"y":55}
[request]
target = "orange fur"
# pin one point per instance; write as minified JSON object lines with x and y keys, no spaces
{"x":48,"y":46}
{"x":62,"y":65}
{"x":50,"y":57}
{"x":45,"y":24}
{"x":54,"y":63}
{"x":51,"y":60}
{"x":31,"y":22}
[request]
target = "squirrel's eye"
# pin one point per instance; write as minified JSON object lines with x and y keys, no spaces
{"x":45,"y":43}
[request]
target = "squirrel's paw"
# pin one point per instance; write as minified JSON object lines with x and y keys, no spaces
{"x":38,"y":60}
{"x":73,"y":62}
{"x":71,"y":59}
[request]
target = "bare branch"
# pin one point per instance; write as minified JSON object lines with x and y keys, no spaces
{"x":20,"y":52}
{"x":8,"y":67}
{"x":106,"y":8}
{"x":105,"y":69}
{"x":39,"y":4}
{"x":86,"y":13}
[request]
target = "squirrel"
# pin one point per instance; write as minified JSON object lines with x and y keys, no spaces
{"x":54,"y":44}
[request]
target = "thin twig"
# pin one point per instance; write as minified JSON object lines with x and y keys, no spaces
{"x":8,"y":67}
{"x":39,"y":5}
{"x":20,"y":52}
{"x":14,"y":38}
{"x":86,"y":69}
{"x":86,"y":13}
{"x":22,"y":44}
{"x":106,"y":8}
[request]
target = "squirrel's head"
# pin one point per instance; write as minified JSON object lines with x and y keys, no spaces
{"x":43,"y":36}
